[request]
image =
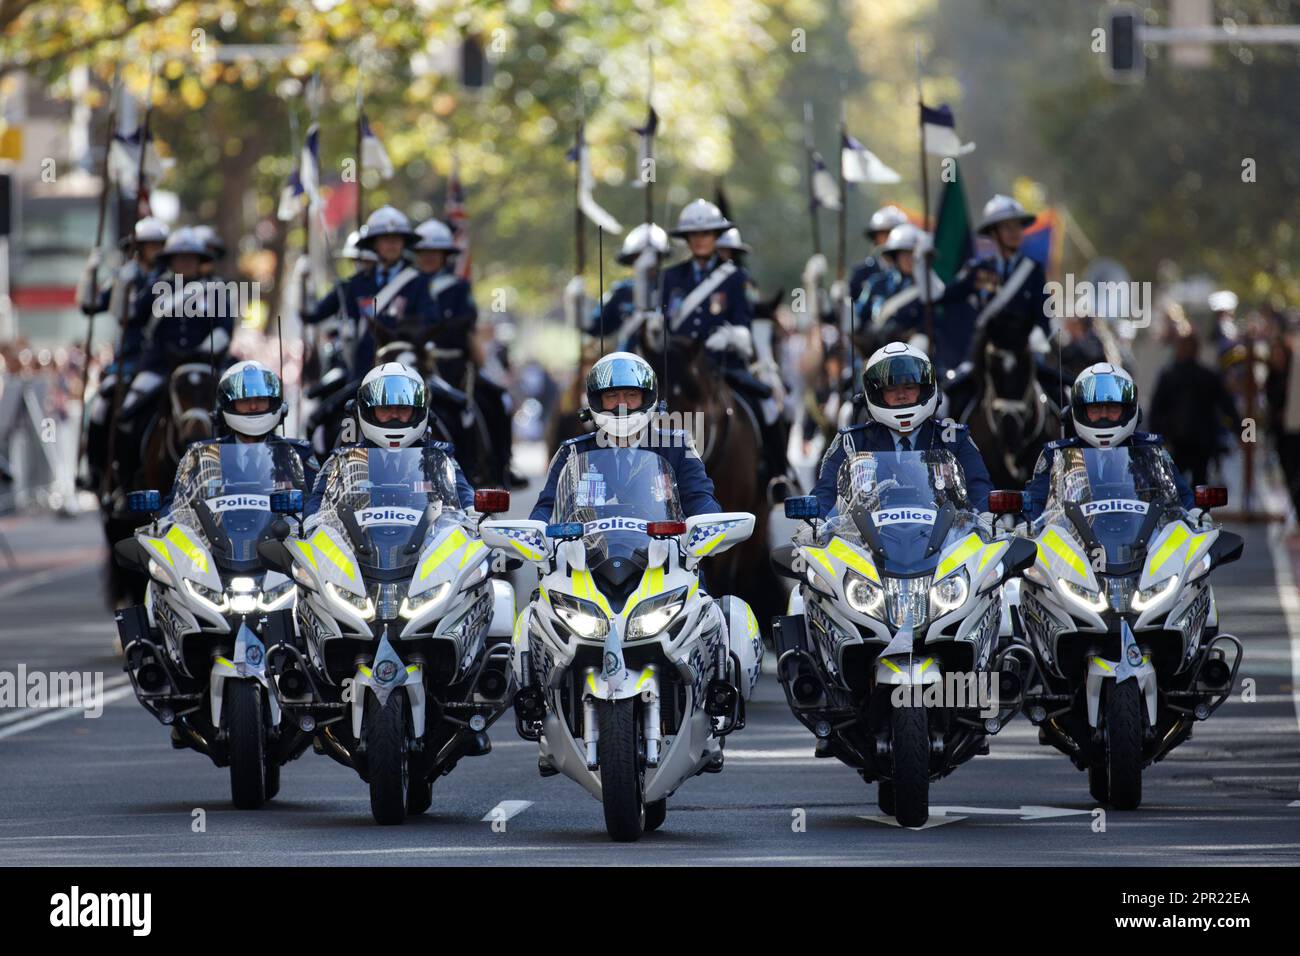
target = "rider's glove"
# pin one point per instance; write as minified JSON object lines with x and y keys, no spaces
{"x":1199,"y":518}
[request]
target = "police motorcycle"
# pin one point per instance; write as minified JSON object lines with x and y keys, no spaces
{"x":890,"y":653}
{"x":630,"y":675}
{"x":402,"y":656}
{"x":1121,"y":617}
{"x":195,"y":651}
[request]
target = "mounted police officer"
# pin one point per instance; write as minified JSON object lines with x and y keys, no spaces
{"x":216,"y":246}
{"x":899,"y":384}
{"x":336,"y":312}
{"x":373,"y":295}
{"x":127,"y":297}
{"x":1103,"y":414}
{"x":879,"y":226}
{"x":614,"y":314}
{"x":622,"y":396}
{"x":706,"y":298}
{"x":393,"y":412}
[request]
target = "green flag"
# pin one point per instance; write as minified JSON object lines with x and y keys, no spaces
{"x":953,"y":245}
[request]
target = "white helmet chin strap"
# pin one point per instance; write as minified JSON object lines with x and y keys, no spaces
{"x":393,"y":436}
{"x":621,"y":426}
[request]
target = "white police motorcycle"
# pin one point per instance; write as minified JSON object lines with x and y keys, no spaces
{"x":630,"y":675}
{"x":196,"y":649}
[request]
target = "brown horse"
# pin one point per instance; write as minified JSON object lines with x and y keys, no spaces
{"x":730,"y":448}
{"x":184,"y":417}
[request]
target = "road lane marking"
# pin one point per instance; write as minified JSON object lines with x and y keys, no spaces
{"x":1290,"y":600}
{"x":953,"y":814}
{"x":66,"y":699}
{"x":506,"y":809}
{"x":40,"y":578}
{"x":50,"y":716}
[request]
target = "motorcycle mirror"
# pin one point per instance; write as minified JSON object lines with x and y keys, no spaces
{"x":1006,"y":502}
{"x":286,"y":502}
{"x":275,"y":556}
{"x":143,"y":502}
{"x":1021,"y":554}
{"x":803,"y":508}
{"x":1211,"y":496}
{"x":279,"y":529}
{"x":491,"y":501}
{"x":129,"y":555}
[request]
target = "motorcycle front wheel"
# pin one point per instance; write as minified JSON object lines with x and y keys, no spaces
{"x":1124,"y":744}
{"x":620,"y":771}
{"x":246,"y":734}
{"x":911,"y":751}
{"x":386,"y":752}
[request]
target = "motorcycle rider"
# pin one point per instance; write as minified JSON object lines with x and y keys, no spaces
{"x":622,"y":394}
{"x":393,"y":412}
{"x":1104,"y":414}
{"x":127,"y":298}
{"x":901,"y":396}
{"x":250,"y":406}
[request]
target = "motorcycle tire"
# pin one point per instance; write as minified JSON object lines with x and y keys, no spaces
{"x":1124,"y":744}
{"x":419,"y":794}
{"x":620,"y":771}
{"x":386,"y":750}
{"x":1098,"y":783}
{"x":272,"y":777}
{"x":655,"y":813}
{"x":885,"y":797}
{"x":246,"y":733}
{"x":911,"y":752}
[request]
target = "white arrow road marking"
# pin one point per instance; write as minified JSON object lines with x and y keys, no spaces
{"x":505,"y":810}
{"x":953,"y":814}
{"x":43,"y":716}
{"x":1294,"y":803}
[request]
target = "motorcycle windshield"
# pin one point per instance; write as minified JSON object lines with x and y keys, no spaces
{"x":386,"y":501}
{"x":613,"y":493}
{"x":234,"y":482}
{"x":1113,"y":496}
{"x":903,"y":493}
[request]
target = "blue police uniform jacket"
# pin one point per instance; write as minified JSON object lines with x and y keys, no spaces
{"x":694,"y":486}
{"x":310,"y":466}
{"x":726,"y":305}
{"x":874,"y":436}
{"x":1028,"y":305}
{"x":445,"y":303}
{"x":862,"y":273}
{"x":878,"y":288}
{"x":1035,"y":498}
{"x":139,"y":301}
{"x":464,"y":492}
{"x":170,"y":338}
{"x":608,"y":317}
{"x":343,"y":298}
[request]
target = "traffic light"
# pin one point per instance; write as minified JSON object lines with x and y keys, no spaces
{"x":1125,"y":59}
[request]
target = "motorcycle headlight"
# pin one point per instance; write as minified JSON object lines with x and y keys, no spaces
{"x":412,"y":606}
{"x":355,"y":602}
{"x":215,"y":601}
{"x":654,"y":615}
{"x":1094,"y":601}
{"x":157,"y":573}
{"x":863,"y":596}
{"x":1155,"y":594}
{"x":581,"y":617}
{"x":949,"y":594}
{"x":278,"y":597}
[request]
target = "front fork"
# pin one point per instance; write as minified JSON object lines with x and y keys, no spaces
{"x":249,"y":663}
{"x":646,"y":686}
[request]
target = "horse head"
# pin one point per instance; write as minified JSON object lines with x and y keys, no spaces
{"x":190,"y":392}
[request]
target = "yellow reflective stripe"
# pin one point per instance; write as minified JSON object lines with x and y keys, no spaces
{"x":927,"y":663}
{"x":817,"y":555}
{"x":1062,"y":550}
{"x":1194,"y":546}
{"x":992,"y":551}
{"x":585,"y":587}
{"x":651,"y":583}
{"x":222,"y":660}
{"x":160,"y":548}
{"x":1172,"y":544}
{"x":442,"y":552}
{"x":182,"y":543}
{"x":958,"y":555}
{"x":305,"y":548}
{"x":852,"y":559}
{"x":891,"y":665}
{"x":364,"y":669}
{"x":591,"y":682}
{"x":713,"y":542}
{"x":474,"y":548}
{"x":1099,"y":661}
{"x":321,"y":541}
{"x":648,"y":673}
{"x":413,"y":668}
{"x":695,"y":586}
{"x":526,"y":551}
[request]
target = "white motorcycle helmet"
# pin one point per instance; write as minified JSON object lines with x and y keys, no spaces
{"x":646,"y":234}
{"x":435,"y":235}
{"x":900,"y":364}
{"x":393,"y":386}
{"x":700,"y":215}
{"x":622,"y":370}
{"x":885,"y":219}
{"x":147,"y":229}
{"x":245,"y":380}
{"x":1104,"y":388}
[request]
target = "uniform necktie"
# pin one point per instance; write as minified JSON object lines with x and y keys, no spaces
{"x":904,"y":443}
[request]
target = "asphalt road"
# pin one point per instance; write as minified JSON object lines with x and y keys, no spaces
{"x":111,"y":791}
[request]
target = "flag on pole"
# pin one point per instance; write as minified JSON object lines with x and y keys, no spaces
{"x":453,"y":210}
{"x":861,"y":165}
{"x":645,"y":149}
{"x":826,"y":191}
{"x":124,"y":163}
{"x":373,"y":154}
{"x":309,"y":165}
{"x":953,"y":243}
{"x":939,"y":133}
{"x":292,"y":199}
{"x":586,"y":184}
